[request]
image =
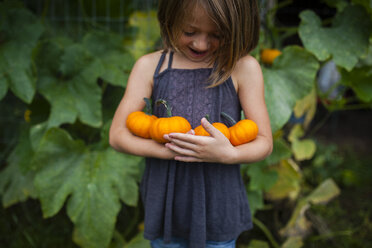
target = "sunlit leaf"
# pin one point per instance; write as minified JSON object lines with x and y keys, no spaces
{"x":325,"y":192}
{"x":303,"y":149}
{"x":293,"y":242}
{"x":345,"y":41}
{"x":148,"y":32}
{"x":291,"y":78}
{"x":296,"y":133}
{"x":92,"y":183}
{"x":298,"y":225}
{"x":288,"y":183}
{"x":306,"y":107}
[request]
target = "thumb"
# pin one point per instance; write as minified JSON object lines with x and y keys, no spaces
{"x":209,"y":127}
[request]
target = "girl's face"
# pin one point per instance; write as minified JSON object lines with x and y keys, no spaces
{"x":199,"y":37}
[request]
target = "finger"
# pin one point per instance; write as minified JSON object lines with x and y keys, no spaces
{"x":209,"y":127}
{"x":191,"y":132}
{"x":183,"y":144}
{"x":190,"y":138}
{"x":180,"y":150}
{"x":187,"y":159}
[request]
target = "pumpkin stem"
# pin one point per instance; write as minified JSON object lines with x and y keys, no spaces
{"x":148,"y":108}
{"x":207,"y":117}
{"x":229,"y":118}
{"x":166,"y":105}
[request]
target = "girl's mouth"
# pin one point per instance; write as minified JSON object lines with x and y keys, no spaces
{"x":198,"y":53}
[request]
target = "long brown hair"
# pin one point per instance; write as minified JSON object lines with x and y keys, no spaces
{"x":237,"y":22}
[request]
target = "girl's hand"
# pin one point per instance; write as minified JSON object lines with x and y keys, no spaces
{"x":193,"y":148}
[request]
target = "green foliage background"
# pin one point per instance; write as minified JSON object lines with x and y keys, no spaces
{"x":58,"y":94}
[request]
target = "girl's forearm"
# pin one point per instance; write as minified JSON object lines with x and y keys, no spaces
{"x":130,"y":144}
{"x":251,"y":152}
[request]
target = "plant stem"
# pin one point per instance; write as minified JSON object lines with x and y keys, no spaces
{"x":229,"y":118}
{"x":267,"y":232}
{"x":166,"y":105}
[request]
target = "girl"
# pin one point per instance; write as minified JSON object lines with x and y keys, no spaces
{"x":192,"y":190}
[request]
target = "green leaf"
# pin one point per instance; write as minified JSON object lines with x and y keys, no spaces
{"x":261,"y":178}
{"x":360,"y":81}
{"x":138,"y":242}
{"x":346,"y":41}
{"x":16,"y":180}
{"x":108,"y":48}
{"x":76,"y":93}
{"x":258,"y":244}
{"x":290,"y":78}
{"x":20,"y":31}
{"x":256,"y":200}
{"x":303,"y":149}
{"x":91,"y":182}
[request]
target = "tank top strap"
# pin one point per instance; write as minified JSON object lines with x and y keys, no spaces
{"x":161,"y":60}
{"x":170,"y":60}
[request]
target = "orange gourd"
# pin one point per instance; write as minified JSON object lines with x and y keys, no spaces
{"x":242,"y":131}
{"x":268,"y":55}
{"x":139,"y":122}
{"x":166,"y":125}
{"x":199,"y":130}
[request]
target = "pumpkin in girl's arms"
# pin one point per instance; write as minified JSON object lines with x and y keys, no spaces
{"x":268,"y":55}
{"x":139,"y":122}
{"x":242,"y":131}
{"x":199,"y":130}
{"x":167,"y":125}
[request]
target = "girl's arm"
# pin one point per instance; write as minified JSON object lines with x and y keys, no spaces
{"x":248,"y":80}
{"x":139,"y":85}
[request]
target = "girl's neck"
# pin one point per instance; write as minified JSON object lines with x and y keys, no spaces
{"x":181,"y":62}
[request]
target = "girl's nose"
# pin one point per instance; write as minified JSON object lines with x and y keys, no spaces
{"x":201,"y":43}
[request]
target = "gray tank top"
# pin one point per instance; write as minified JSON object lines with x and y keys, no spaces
{"x":195,"y":201}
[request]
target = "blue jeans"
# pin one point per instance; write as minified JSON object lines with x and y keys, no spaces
{"x":183,"y":243}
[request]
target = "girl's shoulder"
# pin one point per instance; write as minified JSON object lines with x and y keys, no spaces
{"x":144,"y":68}
{"x":149,"y":60}
{"x":246,"y":68}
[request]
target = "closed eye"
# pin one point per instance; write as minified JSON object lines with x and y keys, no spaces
{"x":189,"y":33}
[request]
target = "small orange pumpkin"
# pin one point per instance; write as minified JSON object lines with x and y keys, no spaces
{"x":199,"y":130}
{"x":268,"y":55}
{"x":243,"y":131}
{"x":139,"y":122}
{"x":166,"y":125}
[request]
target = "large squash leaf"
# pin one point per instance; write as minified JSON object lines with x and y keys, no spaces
{"x":19,"y":33}
{"x":346,"y":40}
{"x":289,"y":79}
{"x":108,"y":48}
{"x":70,"y":84}
{"x":16,"y":180}
{"x":91,"y":182}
